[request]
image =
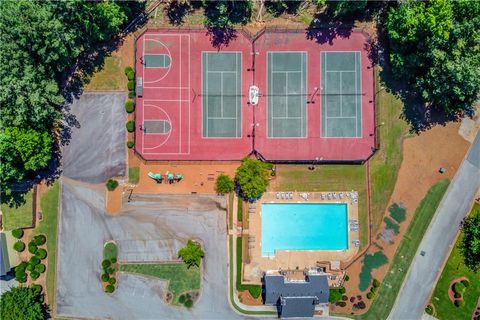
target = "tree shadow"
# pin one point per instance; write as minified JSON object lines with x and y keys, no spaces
{"x":176,"y":12}
{"x":324,"y":28}
{"x":221,"y":37}
{"x":277,"y":8}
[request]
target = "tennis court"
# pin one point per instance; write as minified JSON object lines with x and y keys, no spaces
{"x":341,"y":95}
{"x":286,"y":73}
{"x":221,"y":94}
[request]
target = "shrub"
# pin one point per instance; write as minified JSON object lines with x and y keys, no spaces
{"x":131,"y":94}
{"x":106,"y":264}
{"x":344,"y":298}
{"x":182,"y":299}
{"x":110,"y":270}
{"x":109,"y":288}
{"x":113,"y":260}
{"x":458,"y":287}
{"x":112,"y":281}
{"x":255,"y":291}
{"x":457,"y":295}
{"x":346,"y":277}
{"x":41,"y":253}
{"x":105,"y":277}
{"x":22,"y":266}
{"x":19,"y":246}
{"x":40,"y":240}
{"x":429,"y":309}
{"x":34,"y":274}
{"x":30,"y":267}
{"x":376,"y":283}
{"x":34,"y":260}
{"x":128,"y":70}
{"x":459,"y":303}
{"x":361,"y":305}
{"x":21,"y":276}
{"x":130,"y":144}
{"x":40,"y":268}
{"x":335,"y":295}
{"x":111,"y":184}
{"x":373,"y":290}
{"x":466,"y":283}
{"x":342,"y":290}
{"x":129,"y":106}
{"x":224,"y":184}
{"x":130,"y":125}
{"x":341,"y":304}
{"x":370,"y":295}
{"x":32,"y":247}
{"x":37,"y":287}
{"x":131,"y":75}
{"x":131,"y":85}
{"x":17,"y":233}
{"x":188,"y":304}
{"x":397,"y":212}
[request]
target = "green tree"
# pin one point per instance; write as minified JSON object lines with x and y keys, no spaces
{"x":23,"y":303}
{"x":434,"y":49}
{"x":224,"y":184}
{"x":252,"y":178}
{"x":470,"y":245}
{"x":226,"y":13}
{"x":191,"y":254}
{"x":344,"y":7}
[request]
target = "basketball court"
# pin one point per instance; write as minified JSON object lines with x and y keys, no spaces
{"x":313,"y":101}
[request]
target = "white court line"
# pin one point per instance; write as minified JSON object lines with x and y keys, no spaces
{"x":169,"y":54}
{"x":180,"y":104}
{"x":169,"y":120}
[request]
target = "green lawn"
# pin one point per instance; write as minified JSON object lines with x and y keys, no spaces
{"x":455,"y":268}
{"x":240,"y":209}
{"x":181,"y":279}
{"x":385,"y":164}
{"x":20,"y":217}
{"x":328,"y":178}
{"x":390,"y":287}
{"x":48,"y":227}
{"x":110,"y":77}
{"x":133,"y":175}
{"x":255,"y":290}
{"x":230,"y":208}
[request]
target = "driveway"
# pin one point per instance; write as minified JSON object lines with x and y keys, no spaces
{"x":439,"y":238}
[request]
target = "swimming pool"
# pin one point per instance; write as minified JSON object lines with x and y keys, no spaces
{"x":304,"y":226}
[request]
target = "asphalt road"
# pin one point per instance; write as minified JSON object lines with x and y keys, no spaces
{"x":439,"y":237}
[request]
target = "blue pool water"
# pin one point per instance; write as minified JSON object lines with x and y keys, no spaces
{"x":304,"y":226}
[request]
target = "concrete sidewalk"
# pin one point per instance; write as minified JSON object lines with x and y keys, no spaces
{"x":439,"y":238}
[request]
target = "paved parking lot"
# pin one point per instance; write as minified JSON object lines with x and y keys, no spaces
{"x":151,"y":227}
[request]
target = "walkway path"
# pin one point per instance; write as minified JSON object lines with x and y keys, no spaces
{"x":439,"y":238}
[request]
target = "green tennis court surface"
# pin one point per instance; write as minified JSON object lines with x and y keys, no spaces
{"x":341,"y":94}
{"x":286,"y":72}
{"x":221,"y":81}
{"x":156,"y":61}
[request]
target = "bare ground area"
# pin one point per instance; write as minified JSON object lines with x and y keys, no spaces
{"x":424,"y":155}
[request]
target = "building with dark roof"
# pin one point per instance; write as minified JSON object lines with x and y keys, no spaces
{"x":296,"y":298}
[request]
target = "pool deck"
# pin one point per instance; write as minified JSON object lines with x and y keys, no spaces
{"x":255,"y":265}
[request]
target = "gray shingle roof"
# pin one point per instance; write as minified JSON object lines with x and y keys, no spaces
{"x":296,"y":298}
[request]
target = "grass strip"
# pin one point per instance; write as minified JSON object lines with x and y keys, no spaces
{"x":231,"y":196}
{"x":48,"y":227}
{"x":454,"y":269}
{"x":133,"y":175}
{"x":255,"y":290}
{"x":110,"y":251}
{"x":180,"y":278}
{"x":240,"y":210}
{"x":407,"y":249}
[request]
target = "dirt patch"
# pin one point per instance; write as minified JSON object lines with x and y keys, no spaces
{"x":113,"y":200}
{"x":246,"y":298}
{"x":424,"y":155}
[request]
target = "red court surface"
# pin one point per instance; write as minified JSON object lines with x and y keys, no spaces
{"x":174,"y":94}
